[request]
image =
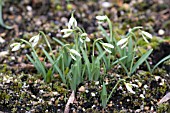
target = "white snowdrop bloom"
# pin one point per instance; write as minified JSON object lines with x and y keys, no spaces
{"x":84,"y":37}
{"x":72,"y":22}
{"x":122,"y":41}
{"x":101,"y":18}
{"x":106,"y":46}
{"x":34,"y":40}
{"x":15,"y":46}
{"x":129,"y":87}
{"x":67,"y":32}
{"x":146,"y":34}
{"x":74,"y":52}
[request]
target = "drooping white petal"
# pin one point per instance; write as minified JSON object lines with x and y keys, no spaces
{"x":71,"y":21}
{"x":81,"y":40}
{"x":106,"y":49}
{"x":124,"y":45}
{"x":15,"y":46}
{"x":122,"y":41}
{"x":34,"y":40}
{"x":87,"y":39}
{"x":67,"y":35}
{"x":145,"y":39}
{"x":75,"y":23}
{"x":101,"y":18}
{"x":75,"y":52}
{"x":66,"y":30}
{"x":129,"y":87}
{"x":107,"y":45}
{"x":72,"y":56}
{"x":147,"y":34}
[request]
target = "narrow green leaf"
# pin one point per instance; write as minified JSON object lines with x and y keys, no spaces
{"x":130,"y":52}
{"x":161,"y":61}
{"x":141,"y":60}
{"x":58,"y":41}
{"x":118,"y":60}
{"x":1,"y":18}
{"x":100,"y":56}
{"x":55,"y":65}
{"x":48,"y":78}
{"x":87,"y":62}
{"x":101,"y":51}
{"x":104,"y":33}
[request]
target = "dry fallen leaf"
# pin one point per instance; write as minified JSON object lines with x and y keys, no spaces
{"x":164,"y":99}
{"x":70,"y":100}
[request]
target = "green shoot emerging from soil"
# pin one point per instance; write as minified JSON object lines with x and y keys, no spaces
{"x":74,"y":62}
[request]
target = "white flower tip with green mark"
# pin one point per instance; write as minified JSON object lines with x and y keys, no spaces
{"x":84,"y":36}
{"x":15,"y":46}
{"x":101,"y":18}
{"x":129,"y":87}
{"x":34,"y":40}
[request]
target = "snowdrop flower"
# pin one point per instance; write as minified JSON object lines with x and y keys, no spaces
{"x":101,"y":18}
{"x":34,"y":40}
{"x":146,"y":34}
{"x":74,"y":52}
{"x":83,"y":37}
{"x":67,"y":32}
{"x":106,"y":46}
{"x":129,"y":87}
{"x":15,"y":46}
{"x":123,"y":42}
{"x":72,"y":22}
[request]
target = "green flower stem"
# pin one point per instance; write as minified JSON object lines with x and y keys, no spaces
{"x":110,"y":28}
{"x":121,"y":80}
{"x":95,"y":43}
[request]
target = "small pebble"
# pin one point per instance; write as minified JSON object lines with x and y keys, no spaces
{"x":97,"y":83}
{"x":142,"y":96}
{"x":29,"y":8}
{"x":145,"y":86}
{"x":81,"y":89}
{"x":93,"y":94}
{"x":146,"y":108}
{"x":2,"y":40}
{"x":4,"y":53}
{"x":161,"y":32}
{"x":106,"y":4}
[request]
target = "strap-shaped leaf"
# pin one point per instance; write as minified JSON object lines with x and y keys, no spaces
{"x":165,"y":58}
{"x":141,"y":60}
